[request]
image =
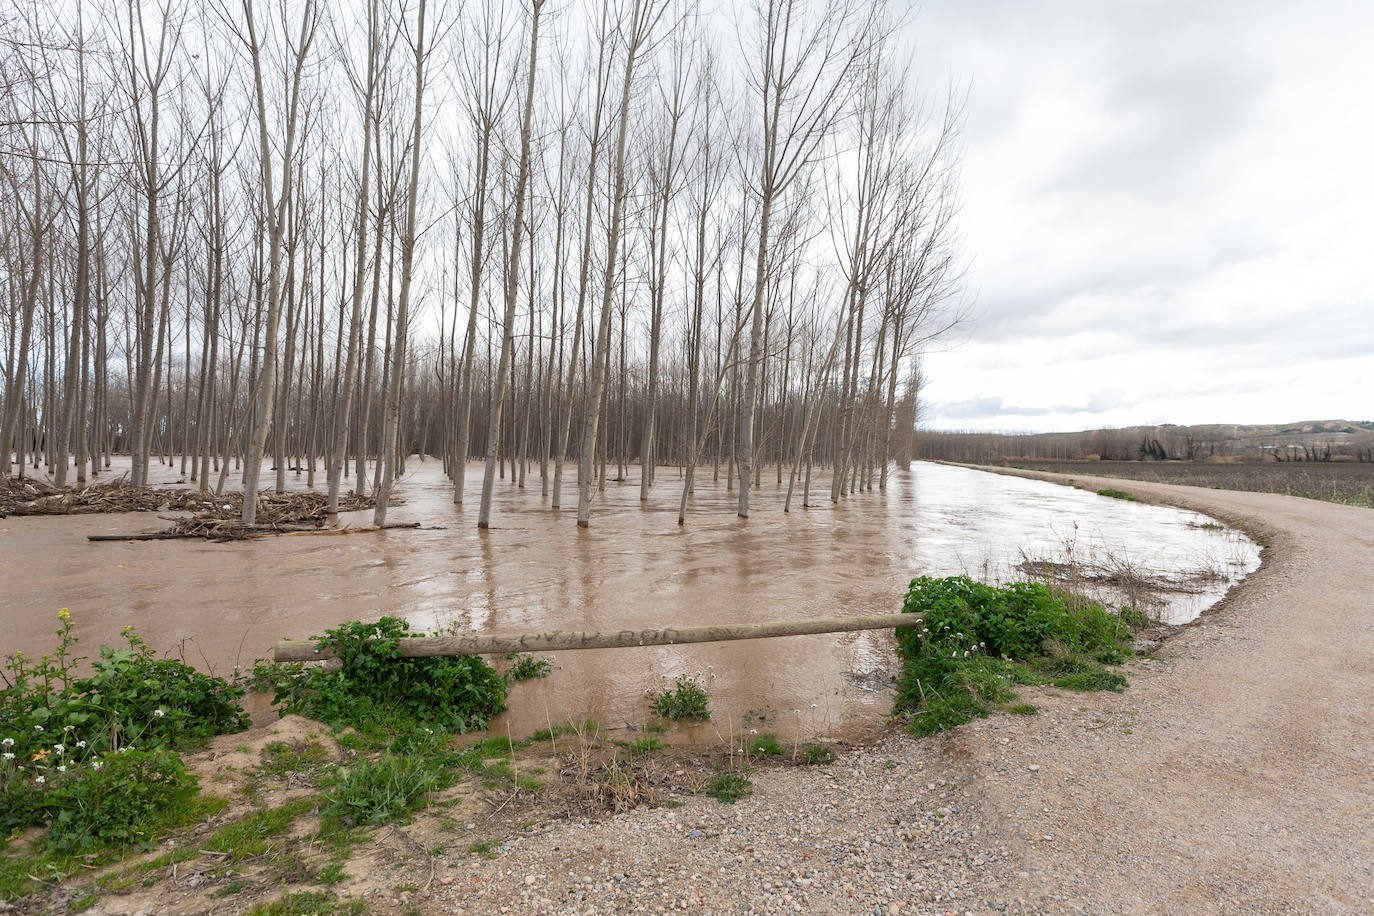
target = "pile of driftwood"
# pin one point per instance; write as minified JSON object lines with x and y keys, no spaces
{"x":214,"y":518}
{"x":29,"y":496}
{"x":278,"y":513}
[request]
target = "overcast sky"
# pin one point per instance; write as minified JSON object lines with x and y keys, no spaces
{"x":1169,"y":211}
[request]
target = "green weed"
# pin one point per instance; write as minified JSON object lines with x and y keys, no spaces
{"x":374,"y":793}
{"x":255,"y":834}
{"x":729,"y":786}
{"x":1116,"y":494}
{"x":978,"y":643}
{"x":763,"y":745}
{"x":685,"y":700}
{"x":527,"y":667}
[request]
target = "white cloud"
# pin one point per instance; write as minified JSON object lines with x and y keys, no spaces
{"x":1168,"y":203}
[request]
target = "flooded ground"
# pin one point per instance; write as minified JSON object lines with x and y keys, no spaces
{"x":222,"y":605}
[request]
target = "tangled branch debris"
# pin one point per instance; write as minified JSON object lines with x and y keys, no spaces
{"x":213,"y":517}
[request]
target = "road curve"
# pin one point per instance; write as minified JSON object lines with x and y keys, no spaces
{"x":1234,"y":775}
{"x":1241,"y":777}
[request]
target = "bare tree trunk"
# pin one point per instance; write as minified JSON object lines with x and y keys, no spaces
{"x":393,"y":410}
{"x":503,"y":368}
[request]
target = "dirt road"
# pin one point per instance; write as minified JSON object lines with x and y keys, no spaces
{"x":1242,"y":778}
{"x":1235,"y":775}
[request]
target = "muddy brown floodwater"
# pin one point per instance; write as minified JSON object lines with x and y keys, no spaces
{"x":223,"y":605}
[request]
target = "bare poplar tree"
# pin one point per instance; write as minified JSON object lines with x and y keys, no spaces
{"x":805,"y":60}
{"x":636,"y":31}
{"x":512,"y":284}
{"x":274,"y":204}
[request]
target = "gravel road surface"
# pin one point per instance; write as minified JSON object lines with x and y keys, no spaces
{"x":1234,"y":775}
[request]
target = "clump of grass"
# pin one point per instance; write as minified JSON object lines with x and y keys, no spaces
{"x":1116,"y":494}
{"x":1023,"y":709}
{"x":644,"y":745}
{"x":281,"y":758}
{"x":564,"y":728}
{"x":763,"y":745}
{"x":687,"y":700}
{"x":729,"y":786}
{"x":254,"y":834}
{"x":979,"y":642}
{"x":817,"y":754}
{"x":484,"y":848}
{"x":393,"y":785}
{"x":309,"y":903}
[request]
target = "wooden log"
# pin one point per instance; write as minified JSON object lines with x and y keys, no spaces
{"x":232,"y":533}
{"x":562,"y":640}
{"x":153,"y":536}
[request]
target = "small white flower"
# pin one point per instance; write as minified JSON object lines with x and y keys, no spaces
{"x":81,"y":744}
{"x":158,"y":713}
{"x":39,"y":779}
{"x":8,"y":755}
{"x":95,"y":765}
{"x":62,"y":769}
{"x":38,"y":728}
{"x":60,"y":748}
{"x":8,"y":742}
{"x":69,"y":728}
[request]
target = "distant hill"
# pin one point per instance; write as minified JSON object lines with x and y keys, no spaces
{"x":1307,"y":440}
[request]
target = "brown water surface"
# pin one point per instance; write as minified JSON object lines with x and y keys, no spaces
{"x":223,"y":605}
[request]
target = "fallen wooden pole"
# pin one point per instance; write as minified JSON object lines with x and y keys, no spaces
{"x":234,"y":534}
{"x":562,"y":640}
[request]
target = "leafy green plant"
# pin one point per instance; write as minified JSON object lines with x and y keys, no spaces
{"x":527,"y":668}
{"x":644,"y":745}
{"x":93,"y":757}
{"x":115,"y":801}
{"x":132,"y":695}
{"x":729,"y":786}
{"x":978,"y":642}
{"x":382,"y":693}
{"x":685,"y":700}
{"x":817,"y":754}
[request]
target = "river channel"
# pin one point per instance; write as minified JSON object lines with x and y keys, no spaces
{"x":222,"y":605}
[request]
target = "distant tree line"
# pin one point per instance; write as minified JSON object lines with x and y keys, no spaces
{"x":1155,"y":443}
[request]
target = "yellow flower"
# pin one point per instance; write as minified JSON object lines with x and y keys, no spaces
{"x":64,"y":614}
{"x":41,"y":754}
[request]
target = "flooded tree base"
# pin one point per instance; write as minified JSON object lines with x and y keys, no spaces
{"x":223,"y":605}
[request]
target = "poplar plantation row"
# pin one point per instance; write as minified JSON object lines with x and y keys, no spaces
{"x":579,"y":236}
